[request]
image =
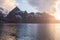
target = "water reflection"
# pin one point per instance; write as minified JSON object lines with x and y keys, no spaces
{"x":30,"y":31}
{"x":36,"y":32}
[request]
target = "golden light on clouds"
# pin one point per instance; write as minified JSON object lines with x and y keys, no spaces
{"x":57,"y":12}
{"x":8,"y":4}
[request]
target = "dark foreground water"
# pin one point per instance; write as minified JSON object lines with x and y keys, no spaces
{"x":35,"y":31}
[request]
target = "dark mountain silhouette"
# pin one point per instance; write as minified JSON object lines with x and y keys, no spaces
{"x":18,"y":16}
{"x":13,"y":16}
{"x":1,"y":17}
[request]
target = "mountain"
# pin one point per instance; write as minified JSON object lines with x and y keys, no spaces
{"x":13,"y":16}
{"x":18,"y":16}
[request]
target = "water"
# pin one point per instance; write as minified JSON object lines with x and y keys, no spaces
{"x":34,"y":31}
{"x":40,"y":32}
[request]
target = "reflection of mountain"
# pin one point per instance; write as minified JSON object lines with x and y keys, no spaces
{"x":18,"y":16}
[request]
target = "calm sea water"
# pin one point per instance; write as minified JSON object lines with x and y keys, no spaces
{"x":32,"y":31}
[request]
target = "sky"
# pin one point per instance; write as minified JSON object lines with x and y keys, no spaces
{"x":30,"y":5}
{"x":37,"y":5}
{"x":24,"y":5}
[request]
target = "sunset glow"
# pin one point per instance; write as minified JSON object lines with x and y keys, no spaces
{"x":57,"y":13}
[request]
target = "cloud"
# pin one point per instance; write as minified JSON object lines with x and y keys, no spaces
{"x":8,"y":4}
{"x":43,"y":5}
